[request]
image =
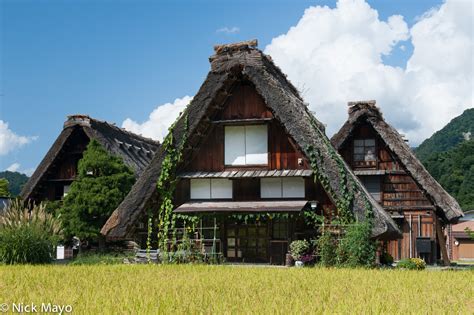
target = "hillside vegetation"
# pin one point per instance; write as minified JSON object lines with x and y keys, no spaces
{"x":456,"y":131}
{"x":449,"y":156}
{"x":16,"y":181}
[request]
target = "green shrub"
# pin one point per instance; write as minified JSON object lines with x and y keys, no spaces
{"x":28,"y":236}
{"x":299,"y":248}
{"x":357,"y":248}
{"x":412,"y":264}
{"x":327,"y":245}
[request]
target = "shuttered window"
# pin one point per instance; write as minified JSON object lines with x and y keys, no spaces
{"x":246,"y":145}
{"x":372,"y":184}
{"x":289,"y":187}
{"x":214,"y":188}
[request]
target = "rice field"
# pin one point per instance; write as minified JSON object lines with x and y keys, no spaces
{"x":194,"y":289}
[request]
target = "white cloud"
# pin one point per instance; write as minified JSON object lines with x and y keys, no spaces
{"x":156,"y":127}
{"x":14,"y":167}
{"x":9,"y":140}
{"x":335,"y":55}
{"x":228,"y":30}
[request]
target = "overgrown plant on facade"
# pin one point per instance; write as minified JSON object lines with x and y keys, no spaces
{"x":166,"y":185}
{"x":356,"y":247}
{"x":327,"y":246}
{"x":28,"y":234}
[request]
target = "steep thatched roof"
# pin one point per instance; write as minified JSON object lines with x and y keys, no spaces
{"x":230,"y":65}
{"x":136,"y":151}
{"x":367,"y":112}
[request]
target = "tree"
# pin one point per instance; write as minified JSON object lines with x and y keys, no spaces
{"x":102,"y":183}
{"x":16,"y":181}
{"x":4,"y":192}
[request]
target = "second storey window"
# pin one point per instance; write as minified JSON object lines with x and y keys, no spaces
{"x":364,"y":152}
{"x":246,"y":145}
{"x":288,"y":187}
{"x":211,"y":188}
{"x":372,"y":184}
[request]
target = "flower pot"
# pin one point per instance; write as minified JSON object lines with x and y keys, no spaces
{"x":299,"y":263}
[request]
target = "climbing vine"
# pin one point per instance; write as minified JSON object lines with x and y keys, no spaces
{"x":347,"y":185}
{"x":166,"y":185}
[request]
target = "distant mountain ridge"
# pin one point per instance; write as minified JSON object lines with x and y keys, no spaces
{"x":456,"y":131}
{"x":16,"y":181}
{"x":449,"y":156}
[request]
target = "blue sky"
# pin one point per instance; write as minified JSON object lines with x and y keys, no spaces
{"x":120,"y":59}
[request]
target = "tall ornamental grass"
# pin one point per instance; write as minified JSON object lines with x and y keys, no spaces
{"x":28,"y":234}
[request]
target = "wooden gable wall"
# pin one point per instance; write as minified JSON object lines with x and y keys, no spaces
{"x":399,"y":190}
{"x":64,"y":168}
{"x":246,"y":103}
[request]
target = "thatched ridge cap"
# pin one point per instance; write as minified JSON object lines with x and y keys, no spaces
{"x":368,"y":107}
{"x":232,"y":47}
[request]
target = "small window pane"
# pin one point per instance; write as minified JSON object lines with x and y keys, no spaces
{"x":369,"y":142}
{"x":200,"y":189}
{"x":358,"y":143}
{"x":234,"y":144}
{"x":359,"y":150}
{"x":359,"y":157}
{"x":256,"y":144}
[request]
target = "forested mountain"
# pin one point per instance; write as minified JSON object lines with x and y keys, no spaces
{"x":16,"y":181}
{"x":449,"y":156}
{"x":456,"y":131}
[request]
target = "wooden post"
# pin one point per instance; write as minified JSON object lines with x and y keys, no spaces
{"x":442,"y":241}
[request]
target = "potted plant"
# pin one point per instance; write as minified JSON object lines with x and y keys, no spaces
{"x":297,"y":250}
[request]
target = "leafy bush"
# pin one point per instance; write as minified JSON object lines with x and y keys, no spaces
{"x":386,"y":258}
{"x":412,"y":264}
{"x":299,"y":248}
{"x":327,"y":245}
{"x":357,"y":248}
{"x":28,"y":236}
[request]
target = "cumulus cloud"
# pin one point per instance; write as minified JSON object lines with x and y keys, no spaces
{"x":14,"y":167}
{"x":334,"y":55}
{"x":160,"y":119}
{"x":9,"y":140}
{"x":228,"y":30}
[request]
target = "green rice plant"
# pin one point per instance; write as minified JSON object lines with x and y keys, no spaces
{"x":28,"y":234}
{"x":224,"y":289}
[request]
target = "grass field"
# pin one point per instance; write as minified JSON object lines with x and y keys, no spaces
{"x":152,"y":289}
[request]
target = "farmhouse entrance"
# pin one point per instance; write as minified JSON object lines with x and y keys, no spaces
{"x":247,"y":242}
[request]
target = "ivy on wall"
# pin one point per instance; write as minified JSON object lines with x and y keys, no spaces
{"x":165,"y":186}
{"x":347,"y":185}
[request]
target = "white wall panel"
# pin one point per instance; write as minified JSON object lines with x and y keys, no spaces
{"x":293,"y":187}
{"x":200,"y":189}
{"x":221,"y":188}
{"x":270,"y":188}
